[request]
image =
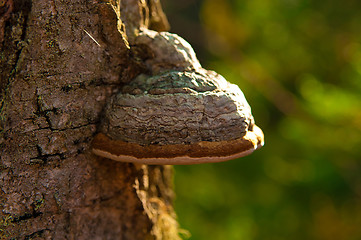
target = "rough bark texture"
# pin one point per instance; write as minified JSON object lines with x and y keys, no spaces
{"x":54,"y":82}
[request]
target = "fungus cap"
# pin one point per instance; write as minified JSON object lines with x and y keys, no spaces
{"x":177,"y":117}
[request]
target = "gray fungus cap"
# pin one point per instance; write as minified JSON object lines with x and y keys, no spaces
{"x":177,"y":117}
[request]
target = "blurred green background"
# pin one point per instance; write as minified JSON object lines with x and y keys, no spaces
{"x":298,"y":63}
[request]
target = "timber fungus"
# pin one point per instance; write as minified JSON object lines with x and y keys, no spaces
{"x":182,"y":114}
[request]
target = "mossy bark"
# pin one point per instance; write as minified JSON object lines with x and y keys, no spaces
{"x":60,"y":61}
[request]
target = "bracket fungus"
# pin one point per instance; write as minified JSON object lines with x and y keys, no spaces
{"x":181,"y":114}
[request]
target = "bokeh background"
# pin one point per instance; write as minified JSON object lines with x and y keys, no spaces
{"x":298,"y":63}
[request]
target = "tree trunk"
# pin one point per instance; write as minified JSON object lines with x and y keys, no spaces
{"x":60,"y":61}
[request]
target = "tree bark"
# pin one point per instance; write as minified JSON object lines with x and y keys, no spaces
{"x":60,"y":61}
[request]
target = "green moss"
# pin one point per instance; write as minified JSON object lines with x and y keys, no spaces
{"x":2,"y":114}
{"x":38,"y":204}
{"x":5,"y":222}
{"x":58,"y":199}
{"x":52,"y":43}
